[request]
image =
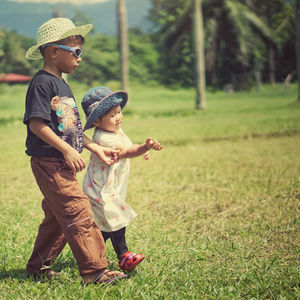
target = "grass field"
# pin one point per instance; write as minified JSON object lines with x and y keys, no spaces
{"x":218,"y":207}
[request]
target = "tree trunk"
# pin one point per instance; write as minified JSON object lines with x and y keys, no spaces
{"x":272,"y":63}
{"x":270,"y":45}
{"x":199,"y":55}
{"x":298,"y":44}
{"x":57,"y":13}
{"x":210,"y":62}
{"x":123,"y":43}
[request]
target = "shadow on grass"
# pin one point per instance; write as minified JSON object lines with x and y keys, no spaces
{"x":62,"y":262}
{"x":250,"y":136}
{"x":17,"y":274}
{"x":162,"y":113}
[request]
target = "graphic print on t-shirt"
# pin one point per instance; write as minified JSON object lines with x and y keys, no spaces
{"x":69,"y":124}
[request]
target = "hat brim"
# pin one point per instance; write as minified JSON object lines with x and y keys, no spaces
{"x":104,"y":106}
{"x":34,"y":51}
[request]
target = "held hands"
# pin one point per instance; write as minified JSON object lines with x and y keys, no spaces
{"x":76,"y":162}
{"x":153,"y":144}
{"x":107,"y":155}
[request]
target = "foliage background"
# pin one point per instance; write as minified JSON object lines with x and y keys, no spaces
{"x":239,"y":35}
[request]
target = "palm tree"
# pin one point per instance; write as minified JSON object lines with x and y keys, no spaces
{"x":231,"y":30}
{"x":298,"y":44}
{"x":57,"y":13}
{"x":199,"y":55}
{"x":123,"y":43}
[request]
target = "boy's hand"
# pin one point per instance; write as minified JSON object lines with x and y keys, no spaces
{"x":153,"y":144}
{"x":107,"y":155}
{"x":74,"y":160}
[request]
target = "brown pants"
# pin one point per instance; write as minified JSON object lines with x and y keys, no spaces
{"x":68,"y":218}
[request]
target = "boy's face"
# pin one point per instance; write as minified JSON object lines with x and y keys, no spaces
{"x":111,"y":121}
{"x":66,"y":61}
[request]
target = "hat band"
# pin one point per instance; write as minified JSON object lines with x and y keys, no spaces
{"x":92,"y":107}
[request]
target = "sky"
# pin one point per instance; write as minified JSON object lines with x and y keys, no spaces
{"x":77,"y":2}
{"x":24,"y":16}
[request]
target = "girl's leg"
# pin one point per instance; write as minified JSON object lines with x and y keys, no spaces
{"x":119,"y":242}
{"x":106,"y":235}
{"x":127,"y":260}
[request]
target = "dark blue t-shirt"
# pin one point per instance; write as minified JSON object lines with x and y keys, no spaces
{"x":50,"y":98}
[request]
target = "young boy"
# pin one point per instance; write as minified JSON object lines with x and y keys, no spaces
{"x":54,"y":141}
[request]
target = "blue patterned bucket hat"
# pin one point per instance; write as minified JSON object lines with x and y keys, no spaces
{"x":100,"y":100}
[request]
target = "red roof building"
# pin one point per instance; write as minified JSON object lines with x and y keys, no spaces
{"x":14,"y":78}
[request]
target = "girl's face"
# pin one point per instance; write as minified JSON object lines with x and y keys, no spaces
{"x":111,"y":121}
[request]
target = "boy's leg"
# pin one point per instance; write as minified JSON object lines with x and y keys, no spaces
{"x":119,"y":242}
{"x":72,"y":211}
{"x":49,"y":243}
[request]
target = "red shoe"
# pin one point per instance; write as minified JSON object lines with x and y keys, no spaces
{"x":130,"y":260}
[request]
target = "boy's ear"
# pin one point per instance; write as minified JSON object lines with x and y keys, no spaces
{"x":52,"y":51}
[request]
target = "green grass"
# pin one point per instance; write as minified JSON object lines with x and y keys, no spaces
{"x":218,"y":208}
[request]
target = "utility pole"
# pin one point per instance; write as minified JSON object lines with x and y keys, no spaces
{"x":298,"y":44}
{"x":57,"y":13}
{"x":123,"y":44}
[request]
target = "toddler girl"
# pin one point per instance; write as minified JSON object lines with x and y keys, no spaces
{"x":104,"y":185}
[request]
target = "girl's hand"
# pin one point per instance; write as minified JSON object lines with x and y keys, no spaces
{"x":147,"y":155}
{"x":153,"y":144}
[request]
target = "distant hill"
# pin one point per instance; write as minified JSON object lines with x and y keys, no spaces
{"x":25,"y":18}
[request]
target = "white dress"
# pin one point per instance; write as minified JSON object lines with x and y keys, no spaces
{"x":106,"y":186}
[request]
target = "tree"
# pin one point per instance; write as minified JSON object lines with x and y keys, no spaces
{"x":234,"y":35}
{"x":231,"y":30}
{"x":199,"y":55}
{"x":144,"y":58}
{"x":276,"y":14}
{"x":57,"y":13}
{"x":298,"y":44}
{"x":101,"y":61}
{"x":174,"y":41}
{"x":123,"y":43}
{"x":12,"y":54}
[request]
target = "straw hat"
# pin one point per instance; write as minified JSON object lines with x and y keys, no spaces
{"x":100,"y":100}
{"x":54,"y":30}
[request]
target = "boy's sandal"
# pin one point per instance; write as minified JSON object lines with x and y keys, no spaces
{"x":109,"y":277}
{"x":130,"y":260}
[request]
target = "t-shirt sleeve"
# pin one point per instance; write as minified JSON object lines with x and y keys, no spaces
{"x":38,"y":103}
